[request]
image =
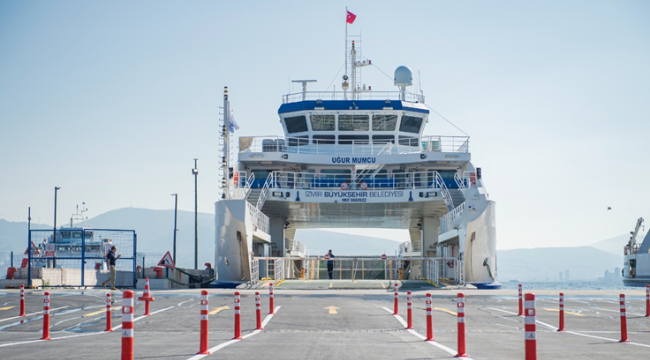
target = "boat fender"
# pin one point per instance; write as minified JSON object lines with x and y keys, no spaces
{"x":450,"y":264}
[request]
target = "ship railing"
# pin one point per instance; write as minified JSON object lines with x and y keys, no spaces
{"x":440,"y":183}
{"x":260,"y":220}
{"x":341,"y":95}
{"x":304,"y":145}
{"x":241,"y":185}
{"x":345,"y":181}
{"x":452,"y":219}
{"x":265,"y":190}
{"x":299,"y":247}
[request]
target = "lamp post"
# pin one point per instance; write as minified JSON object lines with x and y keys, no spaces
{"x":195,"y":171}
{"x":56,"y":190}
{"x":175,"y":228}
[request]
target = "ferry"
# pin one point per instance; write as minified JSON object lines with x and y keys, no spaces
{"x":355,"y":158}
{"x":636,"y":266}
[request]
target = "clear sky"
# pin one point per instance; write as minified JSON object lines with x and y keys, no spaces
{"x":111,"y":101}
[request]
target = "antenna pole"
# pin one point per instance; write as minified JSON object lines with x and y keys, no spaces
{"x":345,"y":71}
{"x":226,"y":145}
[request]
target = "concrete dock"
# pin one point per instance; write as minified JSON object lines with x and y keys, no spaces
{"x":325,"y":324}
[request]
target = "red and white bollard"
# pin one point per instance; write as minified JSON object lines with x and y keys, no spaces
{"x":109,"y":323}
{"x":396,"y":302}
{"x":46,"y":316}
{"x":203,"y":347}
{"x":530,"y":327}
{"x":409,"y":312}
{"x":460,"y":310}
{"x":521,"y":303}
{"x":647,"y":300}
{"x":429,"y":320}
{"x":258,"y":310}
{"x":146,"y":297}
{"x":237,"y":316}
{"x":623,"y":320}
{"x":561,"y":312}
{"x":22,"y":300}
{"x":271,"y":307}
{"x":128,"y":305}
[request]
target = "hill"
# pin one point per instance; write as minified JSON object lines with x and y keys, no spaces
{"x":584,"y":263}
{"x":344,"y":244}
{"x":615,"y":245}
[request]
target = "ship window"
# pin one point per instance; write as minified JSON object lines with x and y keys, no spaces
{"x":383,"y":139}
{"x":408,"y":141}
{"x":336,"y":175}
{"x":298,"y":141}
{"x":410,"y":124}
{"x":353,"y":139}
{"x":76,"y":234}
{"x":324,"y":139}
{"x":384,"y":122}
{"x":354,"y":122}
{"x":296,"y":124}
{"x":322,"y":122}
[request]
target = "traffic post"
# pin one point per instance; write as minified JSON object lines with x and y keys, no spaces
{"x":409,"y":312}
{"x":530,"y":327}
{"x":128,"y":304}
{"x":46,"y":316}
{"x":460,"y":311}
{"x":561,"y":312}
{"x":396,"y":302}
{"x":258,"y":310}
{"x":429,"y":320}
{"x":521,"y":304}
{"x":203,"y":346}
{"x":623,"y":320}
{"x":271,"y":310}
{"x":109,"y":323}
{"x":237,"y":316}
{"x":22,"y":300}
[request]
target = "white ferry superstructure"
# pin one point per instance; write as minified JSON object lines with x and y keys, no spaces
{"x":354,"y":159}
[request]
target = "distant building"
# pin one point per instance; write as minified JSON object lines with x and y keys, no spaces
{"x":617,"y":272}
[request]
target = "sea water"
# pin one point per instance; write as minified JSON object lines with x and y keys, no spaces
{"x":566,"y":285}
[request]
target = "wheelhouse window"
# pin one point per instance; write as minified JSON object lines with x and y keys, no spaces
{"x":299,"y":140}
{"x":353,"y":139}
{"x":322,"y":122}
{"x":384,"y":122}
{"x":408,"y":141}
{"x":354,"y":123}
{"x":324,"y":139}
{"x":410,"y":124}
{"x":296,"y":124}
{"x":383,"y":139}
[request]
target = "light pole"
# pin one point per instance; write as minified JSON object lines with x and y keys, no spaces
{"x":195,"y":171}
{"x":56,"y":189}
{"x":175,"y":228}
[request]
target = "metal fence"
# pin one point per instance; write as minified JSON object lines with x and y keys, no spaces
{"x":77,"y":257}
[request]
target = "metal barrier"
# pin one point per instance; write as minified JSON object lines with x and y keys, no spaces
{"x":77,"y":257}
{"x":364,"y":268}
{"x":255,"y":271}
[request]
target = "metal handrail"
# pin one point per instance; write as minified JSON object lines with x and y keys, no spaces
{"x":444,"y":191}
{"x":298,"y":145}
{"x":247,"y":186}
{"x":260,"y":220}
{"x":399,"y":181}
{"x":340,"y":95}
{"x":264,"y":192}
{"x":452,"y":219}
{"x":460,"y":182}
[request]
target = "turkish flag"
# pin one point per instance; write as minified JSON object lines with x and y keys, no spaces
{"x":351,"y":17}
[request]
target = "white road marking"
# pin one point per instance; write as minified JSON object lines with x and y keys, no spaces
{"x":34,"y":313}
{"x":87,"y":334}
{"x":434,"y":343}
{"x":573,"y":332}
{"x":230,"y":342}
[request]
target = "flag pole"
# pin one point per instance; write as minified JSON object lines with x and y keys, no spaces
{"x":345,"y":71}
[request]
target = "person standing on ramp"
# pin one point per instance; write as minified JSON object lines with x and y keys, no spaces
{"x":330,"y":264}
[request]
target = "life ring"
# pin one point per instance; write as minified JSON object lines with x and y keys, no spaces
{"x":344,"y":186}
{"x":450,"y":264}
{"x":363,"y":185}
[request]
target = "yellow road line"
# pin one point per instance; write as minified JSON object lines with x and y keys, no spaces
{"x":566,"y":312}
{"x":95,"y":313}
{"x":217,"y":310}
{"x":445,"y":310}
{"x":331,"y":284}
{"x":7,"y":307}
{"x":382,"y":285}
